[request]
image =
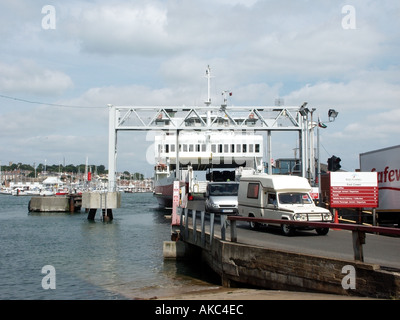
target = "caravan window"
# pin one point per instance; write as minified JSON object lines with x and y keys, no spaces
{"x":272,"y":198}
{"x":252,"y":190}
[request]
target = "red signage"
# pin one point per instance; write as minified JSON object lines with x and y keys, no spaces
{"x":354,"y":190}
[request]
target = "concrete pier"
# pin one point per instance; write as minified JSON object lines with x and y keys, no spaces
{"x":174,"y":250}
{"x":68,"y":203}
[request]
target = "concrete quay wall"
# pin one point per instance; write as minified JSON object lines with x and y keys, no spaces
{"x":282,"y":270}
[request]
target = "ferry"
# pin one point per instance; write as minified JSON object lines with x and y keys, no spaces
{"x":220,"y":155}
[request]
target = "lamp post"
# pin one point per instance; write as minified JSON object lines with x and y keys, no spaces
{"x":304,"y":150}
{"x":332,"y":114}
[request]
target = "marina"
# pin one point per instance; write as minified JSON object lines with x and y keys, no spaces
{"x":132,"y":266}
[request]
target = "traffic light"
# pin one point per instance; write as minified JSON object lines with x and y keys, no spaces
{"x":330,"y":165}
{"x":334,"y":163}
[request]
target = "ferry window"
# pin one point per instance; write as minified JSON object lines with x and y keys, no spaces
{"x":191,"y":148}
{"x":167,"y":148}
{"x":251,"y":147}
{"x":172,"y":148}
{"x":257,"y":147}
{"x":203,"y":147}
{"x":238,"y":148}
{"x":232,"y":148}
{"x":197,"y":148}
{"x":213,"y":148}
{"x":226,"y":148}
{"x":244,"y":148}
{"x":220,"y":148}
{"x":252,"y":190}
{"x":185,"y":148}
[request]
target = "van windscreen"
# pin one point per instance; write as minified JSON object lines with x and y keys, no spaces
{"x":223,"y":189}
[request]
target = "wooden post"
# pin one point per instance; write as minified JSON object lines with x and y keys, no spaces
{"x":194,"y":225}
{"x":186,"y":224}
{"x":203,"y":229}
{"x":223,"y":227}
{"x":71,"y":204}
{"x":212,"y":215}
{"x":233,"y":231}
{"x":358,"y":241}
{"x":92,"y":214}
{"x":179,"y":209}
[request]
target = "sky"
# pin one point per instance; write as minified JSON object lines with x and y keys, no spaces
{"x":63,"y":62}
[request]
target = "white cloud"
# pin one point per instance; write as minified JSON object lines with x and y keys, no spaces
{"x":121,"y":28}
{"x":366,"y":92}
{"x":28,"y":77}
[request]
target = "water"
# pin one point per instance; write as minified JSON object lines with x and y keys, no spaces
{"x":121,"y":259}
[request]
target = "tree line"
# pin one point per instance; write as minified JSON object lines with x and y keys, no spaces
{"x":55,"y":168}
{"x":70,"y":169}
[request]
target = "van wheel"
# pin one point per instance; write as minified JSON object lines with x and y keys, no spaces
{"x":287,"y":230}
{"x":322,"y":231}
{"x":253,"y":225}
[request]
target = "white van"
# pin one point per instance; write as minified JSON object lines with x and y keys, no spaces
{"x":222,"y":197}
{"x":280,"y":197}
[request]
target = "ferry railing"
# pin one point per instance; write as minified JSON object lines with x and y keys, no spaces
{"x":358,"y":231}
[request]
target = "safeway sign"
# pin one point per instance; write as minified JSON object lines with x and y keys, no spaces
{"x":354,"y":190}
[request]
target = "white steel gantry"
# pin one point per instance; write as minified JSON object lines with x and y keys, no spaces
{"x":213,"y":118}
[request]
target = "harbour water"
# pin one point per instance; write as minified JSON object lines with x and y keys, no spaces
{"x":121,"y":259}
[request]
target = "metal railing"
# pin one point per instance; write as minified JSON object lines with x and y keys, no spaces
{"x":358,"y":231}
